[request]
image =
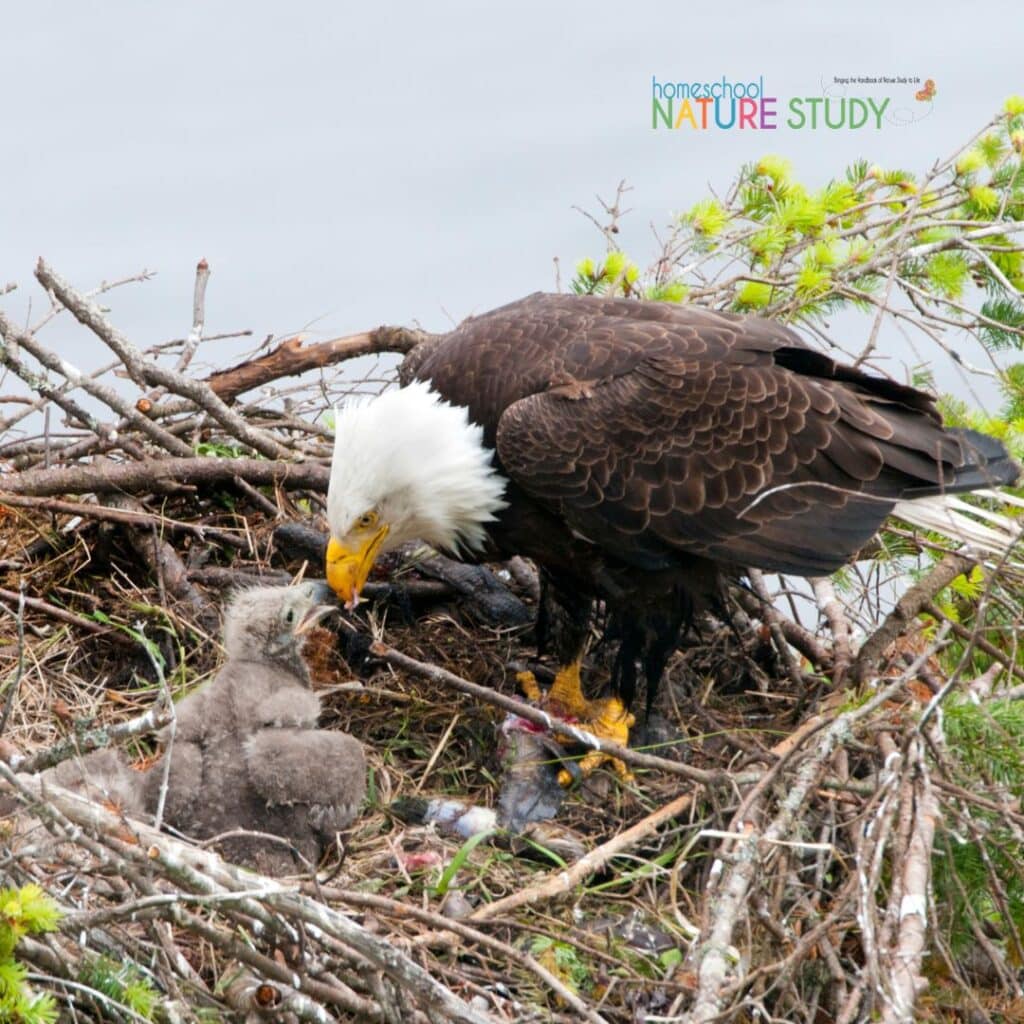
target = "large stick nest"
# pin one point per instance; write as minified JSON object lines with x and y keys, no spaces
{"x":794,"y":847}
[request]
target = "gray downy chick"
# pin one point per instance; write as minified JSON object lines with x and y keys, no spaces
{"x":247,"y":754}
{"x":101,"y":775}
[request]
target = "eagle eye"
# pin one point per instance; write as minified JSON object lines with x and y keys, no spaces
{"x":367,"y":520}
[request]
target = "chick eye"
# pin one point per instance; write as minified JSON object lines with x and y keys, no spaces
{"x":366,"y":520}
{"x":289,"y":616}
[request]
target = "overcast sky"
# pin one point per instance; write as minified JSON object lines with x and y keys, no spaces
{"x":351,"y":164}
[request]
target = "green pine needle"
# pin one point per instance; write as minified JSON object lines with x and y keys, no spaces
{"x":1005,"y":311}
{"x":948,"y":273}
{"x":753,"y":295}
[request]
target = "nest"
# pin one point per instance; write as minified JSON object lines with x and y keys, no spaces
{"x":809,"y":835}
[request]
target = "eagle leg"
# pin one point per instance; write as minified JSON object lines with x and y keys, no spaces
{"x":567,"y":691}
{"x":606,"y":718}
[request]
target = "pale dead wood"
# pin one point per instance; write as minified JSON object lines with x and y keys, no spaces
{"x":713,"y":956}
{"x":906,"y":982}
{"x":146,"y":372}
{"x":153,"y":475}
{"x":13,"y":336}
{"x":263,"y":898}
{"x":561,"y":883}
{"x":774,"y":621}
{"x":87,"y":740}
{"x":462,"y":931}
{"x":802,"y":639}
{"x":835,"y":614}
{"x":195,"y":336}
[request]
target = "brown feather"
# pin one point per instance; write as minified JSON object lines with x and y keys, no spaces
{"x":651,"y":436}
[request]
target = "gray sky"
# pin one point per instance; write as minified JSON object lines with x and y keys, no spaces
{"x":357,"y":164}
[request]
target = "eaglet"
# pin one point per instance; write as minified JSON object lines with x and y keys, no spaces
{"x":247,"y":754}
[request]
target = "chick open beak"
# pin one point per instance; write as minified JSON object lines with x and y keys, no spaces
{"x":323,"y":604}
{"x":312,"y":617}
{"x":347,"y":568}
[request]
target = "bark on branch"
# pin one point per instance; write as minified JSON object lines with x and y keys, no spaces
{"x":158,"y":474}
{"x":909,"y":606}
{"x":292,"y":358}
{"x":262,"y":900}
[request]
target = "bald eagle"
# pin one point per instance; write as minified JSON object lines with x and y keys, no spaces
{"x":636,"y":451}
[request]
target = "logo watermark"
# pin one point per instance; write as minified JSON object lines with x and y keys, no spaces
{"x":744,"y":105}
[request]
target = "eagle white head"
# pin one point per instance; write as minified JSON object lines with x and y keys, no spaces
{"x":407,"y":466}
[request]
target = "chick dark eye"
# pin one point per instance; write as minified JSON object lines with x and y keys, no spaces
{"x":289,"y":616}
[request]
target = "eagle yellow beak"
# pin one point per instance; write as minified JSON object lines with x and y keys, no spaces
{"x":347,"y":568}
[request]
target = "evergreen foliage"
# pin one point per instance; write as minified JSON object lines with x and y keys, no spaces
{"x":24,"y":911}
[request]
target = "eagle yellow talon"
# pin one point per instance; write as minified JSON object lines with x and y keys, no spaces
{"x":607,"y":719}
{"x":528,"y":684}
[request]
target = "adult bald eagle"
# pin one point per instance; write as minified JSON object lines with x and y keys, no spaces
{"x":635,"y":451}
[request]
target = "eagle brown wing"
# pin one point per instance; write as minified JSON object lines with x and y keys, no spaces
{"x":730,"y":440}
{"x":654,"y":429}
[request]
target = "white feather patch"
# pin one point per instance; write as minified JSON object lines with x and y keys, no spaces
{"x":419,"y":463}
{"x":987,"y":533}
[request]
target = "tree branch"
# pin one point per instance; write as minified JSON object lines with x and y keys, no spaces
{"x":292,"y":358}
{"x":156,"y":474}
{"x":144,"y":372}
{"x":907,"y":609}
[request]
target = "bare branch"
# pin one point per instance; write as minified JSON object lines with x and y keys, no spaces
{"x":153,"y":475}
{"x":907,"y":609}
{"x":195,"y":336}
{"x":144,"y":372}
{"x":292,"y":357}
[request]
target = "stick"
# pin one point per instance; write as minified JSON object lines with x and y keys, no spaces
{"x":976,"y":638}
{"x":164,"y":563}
{"x":100,"y":391}
{"x":195,"y":336}
{"x":770,"y":615}
{"x":533,"y":714}
{"x":905,"y":976}
{"x":93,"y":739}
{"x":712,"y":957}
{"x":292,"y":358}
{"x":423,"y":590}
{"x":907,"y":609}
{"x":69,"y":618}
{"x":203,"y":871}
{"x":558,"y":883}
{"x":128,"y":517}
{"x":19,"y":671}
{"x":835,"y":614}
{"x":152,"y":474}
{"x":803,"y":640}
{"x":144,"y":372}
{"x":444,"y":924}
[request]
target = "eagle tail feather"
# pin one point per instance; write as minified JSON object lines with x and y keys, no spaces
{"x":986,"y":463}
